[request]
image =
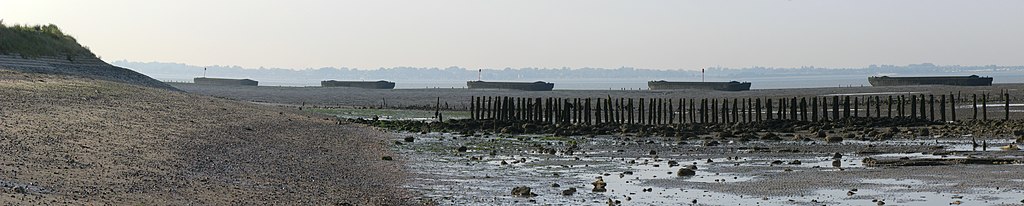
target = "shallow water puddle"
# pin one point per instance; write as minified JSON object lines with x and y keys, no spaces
{"x":895,"y":196}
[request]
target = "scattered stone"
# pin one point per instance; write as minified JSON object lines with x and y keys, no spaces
{"x":837,"y":163}
{"x":672,"y":163}
{"x":410,"y":139}
{"x":692,"y":167}
{"x":522,"y":191}
{"x":795,"y":162}
{"x":837,"y":156}
{"x":683,"y":172}
{"x":710,"y":161}
{"x":776,"y":162}
{"x":652,"y":153}
{"x":386,"y":158}
{"x":822,"y":134}
{"x":555,"y":185}
{"x":599,"y":185}
{"x":834,"y":138}
{"x":924,"y":132}
{"x":463,"y":149}
{"x":569,"y":192}
{"x":711,"y":143}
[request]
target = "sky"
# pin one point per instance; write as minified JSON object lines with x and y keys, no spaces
{"x":650,"y":34}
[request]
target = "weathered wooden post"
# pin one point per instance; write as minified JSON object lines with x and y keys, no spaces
{"x":703,"y":110}
{"x":814,"y":109}
{"x":942,"y":108}
{"x":556,"y":111}
{"x":498,"y":106}
{"x":984,"y":106}
{"x":641,"y":116}
{"x":952,"y":107}
{"x":846,"y":107}
{"x":597,"y":111}
{"x":748,"y":109}
{"x":835,"y":108}
{"x":768,"y":108}
{"x":735,"y":111}
{"x":781,"y":109}
{"x":867,"y":106}
{"x":659,"y":111}
{"x":725,"y":110}
{"x":793,"y":108}
{"x":757,"y":108}
{"x":824,"y":109}
{"x":671,"y":113}
{"x":923,"y":109}
{"x":975,"y":99}
{"x":878,"y":107}
{"x":586,"y":112}
{"x":714,"y":111}
{"x":902,"y":107}
{"x":629,"y":112}
{"x":803,"y":108}
{"x":856,"y":106}
{"x":692,"y":111}
{"x":538,"y":108}
{"x":889,"y":107}
{"x":472,"y":108}
{"x":569,"y":108}
{"x":682,"y":111}
{"x":492,"y":111}
{"x":913,"y":106}
{"x":1006,"y":106}
{"x":931,"y":107}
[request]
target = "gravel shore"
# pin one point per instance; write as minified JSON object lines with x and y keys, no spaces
{"x":73,"y":140}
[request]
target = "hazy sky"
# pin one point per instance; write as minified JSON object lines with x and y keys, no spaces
{"x":656,"y":34}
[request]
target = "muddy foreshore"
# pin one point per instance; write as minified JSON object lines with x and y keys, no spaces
{"x":858,"y":161}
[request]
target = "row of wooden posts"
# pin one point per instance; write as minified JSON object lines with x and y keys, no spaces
{"x":655,"y":111}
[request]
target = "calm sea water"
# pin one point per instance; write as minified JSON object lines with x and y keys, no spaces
{"x":809,"y":81}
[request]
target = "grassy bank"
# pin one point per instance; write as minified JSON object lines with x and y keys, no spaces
{"x":31,"y":41}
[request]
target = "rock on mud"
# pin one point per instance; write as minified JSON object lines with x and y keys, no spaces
{"x":685,"y":172}
{"x":570,"y":191}
{"x":834,"y":138}
{"x":522,"y":191}
{"x":599,"y":185}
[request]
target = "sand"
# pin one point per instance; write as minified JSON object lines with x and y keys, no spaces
{"x":73,"y":140}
